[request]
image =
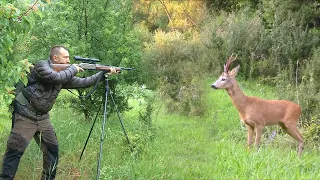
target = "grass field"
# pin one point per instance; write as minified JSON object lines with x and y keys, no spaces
{"x":212,"y":146}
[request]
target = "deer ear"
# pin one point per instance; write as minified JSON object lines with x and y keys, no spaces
{"x":234,"y":71}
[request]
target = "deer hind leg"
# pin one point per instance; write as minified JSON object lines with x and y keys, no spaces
{"x":292,"y":130}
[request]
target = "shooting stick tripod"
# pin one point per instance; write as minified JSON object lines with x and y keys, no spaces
{"x":107,"y":91}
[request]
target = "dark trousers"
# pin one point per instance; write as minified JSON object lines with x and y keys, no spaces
{"x":23,"y":130}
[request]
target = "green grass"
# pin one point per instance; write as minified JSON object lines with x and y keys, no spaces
{"x":212,"y":146}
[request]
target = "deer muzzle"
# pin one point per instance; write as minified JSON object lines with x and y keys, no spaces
{"x":213,"y":86}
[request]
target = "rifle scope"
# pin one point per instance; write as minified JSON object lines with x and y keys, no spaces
{"x":89,"y":60}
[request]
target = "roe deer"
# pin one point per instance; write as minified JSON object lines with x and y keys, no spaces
{"x":257,"y":113}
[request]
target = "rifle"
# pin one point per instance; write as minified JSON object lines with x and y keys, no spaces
{"x":88,"y":66}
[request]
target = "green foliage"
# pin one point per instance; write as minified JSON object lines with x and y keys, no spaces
{"x":264,"y":49}
{"x":240,"y":34}
{"x":171,"y":65}
{"x":99,"y":29}
{"x":14,"y":72}
{"x":142,"y":98}
{"x":291,"y":41}
{"x":312,"y":132}
{"x":162,"y":15}
{"x":16,"y":20}
{"x":227,"y":6}
{"x":309,"y":88}
{"x":277,"y":11}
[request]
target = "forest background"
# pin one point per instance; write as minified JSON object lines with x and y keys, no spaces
{"x":175,"y":46}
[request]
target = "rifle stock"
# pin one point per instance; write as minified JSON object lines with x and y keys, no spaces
{"x":88,"y":66}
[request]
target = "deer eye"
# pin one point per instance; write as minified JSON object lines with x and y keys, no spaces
{"x":223,"y":79}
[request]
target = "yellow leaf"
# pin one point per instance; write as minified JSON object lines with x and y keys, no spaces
{"x":10,"y":90}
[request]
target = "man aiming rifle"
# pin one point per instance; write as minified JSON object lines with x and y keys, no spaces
{"x":30,"y":118}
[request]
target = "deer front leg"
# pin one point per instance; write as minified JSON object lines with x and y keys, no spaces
{"x":250,"y":135}
{"x":259,"y":129}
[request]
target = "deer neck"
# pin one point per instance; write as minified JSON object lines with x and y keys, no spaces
{"x":237,"y":96}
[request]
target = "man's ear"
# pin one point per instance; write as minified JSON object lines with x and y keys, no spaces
{"x":54,"y":58}
{"x":234,"y":71}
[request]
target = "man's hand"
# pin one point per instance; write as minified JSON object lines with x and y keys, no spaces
{"x":79,"y":69}
{"x":113,"y":70}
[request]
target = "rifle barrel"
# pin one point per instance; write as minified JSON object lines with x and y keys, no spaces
{"x":122,"y":68}
{"x":89,"y":66}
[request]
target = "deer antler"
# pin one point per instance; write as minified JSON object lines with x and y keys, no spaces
{"x":229,"y":61}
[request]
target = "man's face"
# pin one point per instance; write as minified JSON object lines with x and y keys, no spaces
{"x":62,"y":57}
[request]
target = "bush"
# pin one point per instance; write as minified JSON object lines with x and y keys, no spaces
{"x":309,"y":87}
{"x":305,"y":90}
{"x":237,"y":33}
{"x":174,"y":65}
{"x":312,"y":132}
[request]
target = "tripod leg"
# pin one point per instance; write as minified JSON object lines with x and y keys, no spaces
{"x":103,"y":125}
{"x":95,"y":87}
{"x":107,"y":91}
{"x":121,"y":122}
{"x":89,"y":134}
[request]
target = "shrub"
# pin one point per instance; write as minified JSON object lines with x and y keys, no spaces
{"x":174,"y":66}
{"x":237,"y":33}
{"x":312,"y":132}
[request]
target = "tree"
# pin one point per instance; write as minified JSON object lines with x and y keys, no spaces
{"x":99,"y":29}
{"x":16,"y":20}
{"x":169,"y":15}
